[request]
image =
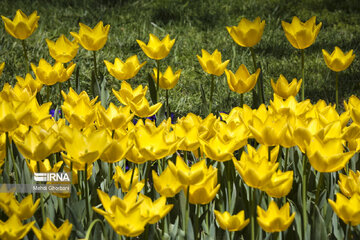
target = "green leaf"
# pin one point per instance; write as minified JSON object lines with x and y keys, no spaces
{"x":152,"y":88}
{"x":318,"y":225}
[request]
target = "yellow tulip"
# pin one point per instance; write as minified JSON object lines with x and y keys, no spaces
{"x":167,"y":183}
{"x":2,"y":66}
{"x":168,"y":80}
{"x":349,"y":185}
{"x":143,"y":109}
{"x":29,"y":82}
{"x":23,"y":210}
{"x":125,"y":179}
{"x":338,"y":61}
{"x":22,"y":26}
{"x":301,"y":35}
{"x":275,"y":219}
{"x":241,"y":81}
{"x":289,"y":107}
{"x":124,"y":70}
{"x":45,"y":166}
{"x":154,"y":211}
{"x":62,"y":50}
{"x":247,"y":33}
{"x":327,"y":156}
{"x":347,"y":209}
{"x":37,"y":144}
{"x":280,"y":184}
{"x":285,"y":89}
{"x":153,"y":142}
{"x":126,"y":93}
{"x":118,"y":147}
{"x":187,"y":128}
{"x":50,"y":231}
{"x":232,"y":223}
{"x":156,"y":49}
{"x":113,"y":117}
{"x":255,"y":168}
{"x":92,"y":39}
{"x":188,"y":175}
{"x":12,"y":114}
{"x":212,"y":64}
{"x":13,"y":229}
{"x":50,"y":75}
{"x":353,"y":106}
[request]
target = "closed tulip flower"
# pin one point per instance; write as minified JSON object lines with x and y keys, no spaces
{"x":301,"y":35}
{"x":126,"y":93}
{"x":50,"y":75}
{"x":212,"y":64}
{"x":247,"y":33}
{"x":347,"y":209}
{"x":124,"y":70}
{"x":241,"y":81}
{"x":187,"y":128}
{"x":154,"y":211}
{"x":34,"y":85}
{"x":92,"y":39}
{"x":50,"y":231}
{"x":113,"y":117}
{"x":125,"y":179}
{"x":22,"y":26}
{"x":13,"y":229}
{"x":156,"y":49}
{"x":275,"y":219}
{"x":285,"y":89}
{"x":167,"y":183}
{"x":232,"y":223}
{"x":62,"y":50}
{"x":338,"y":61}
{"x":280,"y":184}
{"x":327,"y":156}
{"x":349,"y":185}
{"x":168,"y":80}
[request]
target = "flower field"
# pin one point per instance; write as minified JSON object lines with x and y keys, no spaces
{"x":171,"y":138}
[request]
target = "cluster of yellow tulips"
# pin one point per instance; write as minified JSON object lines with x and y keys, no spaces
{"x":193,"y":160}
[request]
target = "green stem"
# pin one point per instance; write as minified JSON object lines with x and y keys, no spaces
{"x":87,"y":236}
{"x":87,"y":196}
{"x":132,"y":177}
{"x":41,"y":199}
{"x":60,"y":97}
{"x":187,"y":211}
{"x":146,"y":237}
{"x":348,"y":232}
{"x":303,"y":75}
{"x":252,"y":212}
{"x":95,"y":73}
{"x":228,"y":178}
{"x":318,"y":189}
{"x":286,"y":158}
{"x":110,"y":172}
{"x":167,"y":104}
{"x":259,"y":84}
{"x":241,"y":100}
{"x":77,"y":82}
{"x":276,"y":236}
{"x":7,"y":160}
{"x":25,"y":56}
{"x":48,"y":91}
{"x":304,"y":197}
{"x":197,"y":221}
{"x":10,"y":148}
{"x":157,"y":80}
{"x":147,"y":172}
{"x":337,"y":91}
{"x":211,"y":92}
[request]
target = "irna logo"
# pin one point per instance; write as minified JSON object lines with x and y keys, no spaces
{"x":52,"y":177}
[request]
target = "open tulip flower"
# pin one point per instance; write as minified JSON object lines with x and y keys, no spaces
{"x":349,"y":185}
{"x":168,"y":80}
{"x":347,"y":209}
{"x":241,"y":81}
{"x":167,"y":183}
{"x":187,"y":128}
{"x":143,"y":109}
{"x":275,"y":219}
{"x":353,"y":106}
{"x":285,"y":89}
{"x":156,"y":49}
{"x":126,"y":93}
{"x":338,"y":61}
{"x":188,"y":175}
{"x":301,"y":35}
{"x":49,"y":230}
{"x":22,"y":26}
{"x":125,"y":179}
{"x":247,"y":33}
{"x":280,"y":184}
{"x":13,"y":228}
{"x":232,"y":223}
{"x":212,"y":64}
{"x":62,"y":50}
{"x":154,"y":211}
{"x":23,"y":210}
{"x":12,"y":115}
{"x":92,"y":39}
{"x":2,"y":66}
{"x":50,"y":75}
{"x":124,"y":70}
{"x":29,"y":82}
{"x":113,"y":117}
{"x":45,"y":166}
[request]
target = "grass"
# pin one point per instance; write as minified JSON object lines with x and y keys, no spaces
{"x":195,"y":25}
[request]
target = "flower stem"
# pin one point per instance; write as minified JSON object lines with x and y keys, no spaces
{"x":167,"y":104}
{"x":10,"y":149}
{"x":228,"y":178}
{"x":211,"y":92}
{"x":41,"y":198}
{"x":25,"y":56}
{"x":87,"y":196}
{"x":252,"y":212}
{"x":132,"y":177}
{"x":337,"y":91}
{"x":187,"y":211}
{"x":95,"y":74}
{"x":348,"y":232}
{"x":259,"y":84}
{"x":303,"y":75}
{"x":304,"y":204}
{"x":197,"y":228}
{"x":241,"y":100}
{"x":318,"y":189}
{"x":157,"y":80}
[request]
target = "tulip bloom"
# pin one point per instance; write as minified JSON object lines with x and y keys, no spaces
{"x":350,"y":185}
{"x":92,"y":39}
{"x":50,"y":75}
{"x":338,"y":61}
{"x":247,"y":33}
{"x":275,"y":219}
{"x":154,"y":211}
{"x":168,"y":80}
{"x":125,"y":179}
{"x":127,"y":94}
{"x":241,"y":81}
{"x":34,"y":85}
{"x":285,"y":89}
{"x":188,"y":175}
{"x":232,"y":223}
{"x":347,"y":209}
{"x":23,"y":210}
{"x":280,"y":184}
{"x":124,"y":70}
{"x":62,"y":50}
{"x":22,"y":26}
{"x":156,"y":49}
{"x":49,"y":230}
{"x":113,"y":117}
{"x":167,"y":183}
{"x":212,"y":64}
{"x":13,"y":228}
{"x":301,"y":35}
{"x":187,"y":128}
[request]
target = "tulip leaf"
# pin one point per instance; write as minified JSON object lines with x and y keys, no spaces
{"x":152,"y":89}
{"x":174,"y":228}
{"x":190,"y":231}
{"x":104,"y":94}
{"x":338,"y":231}
{"x":204,"y":106}
{"x":318,"y":225}
{"x":298,"y":219}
